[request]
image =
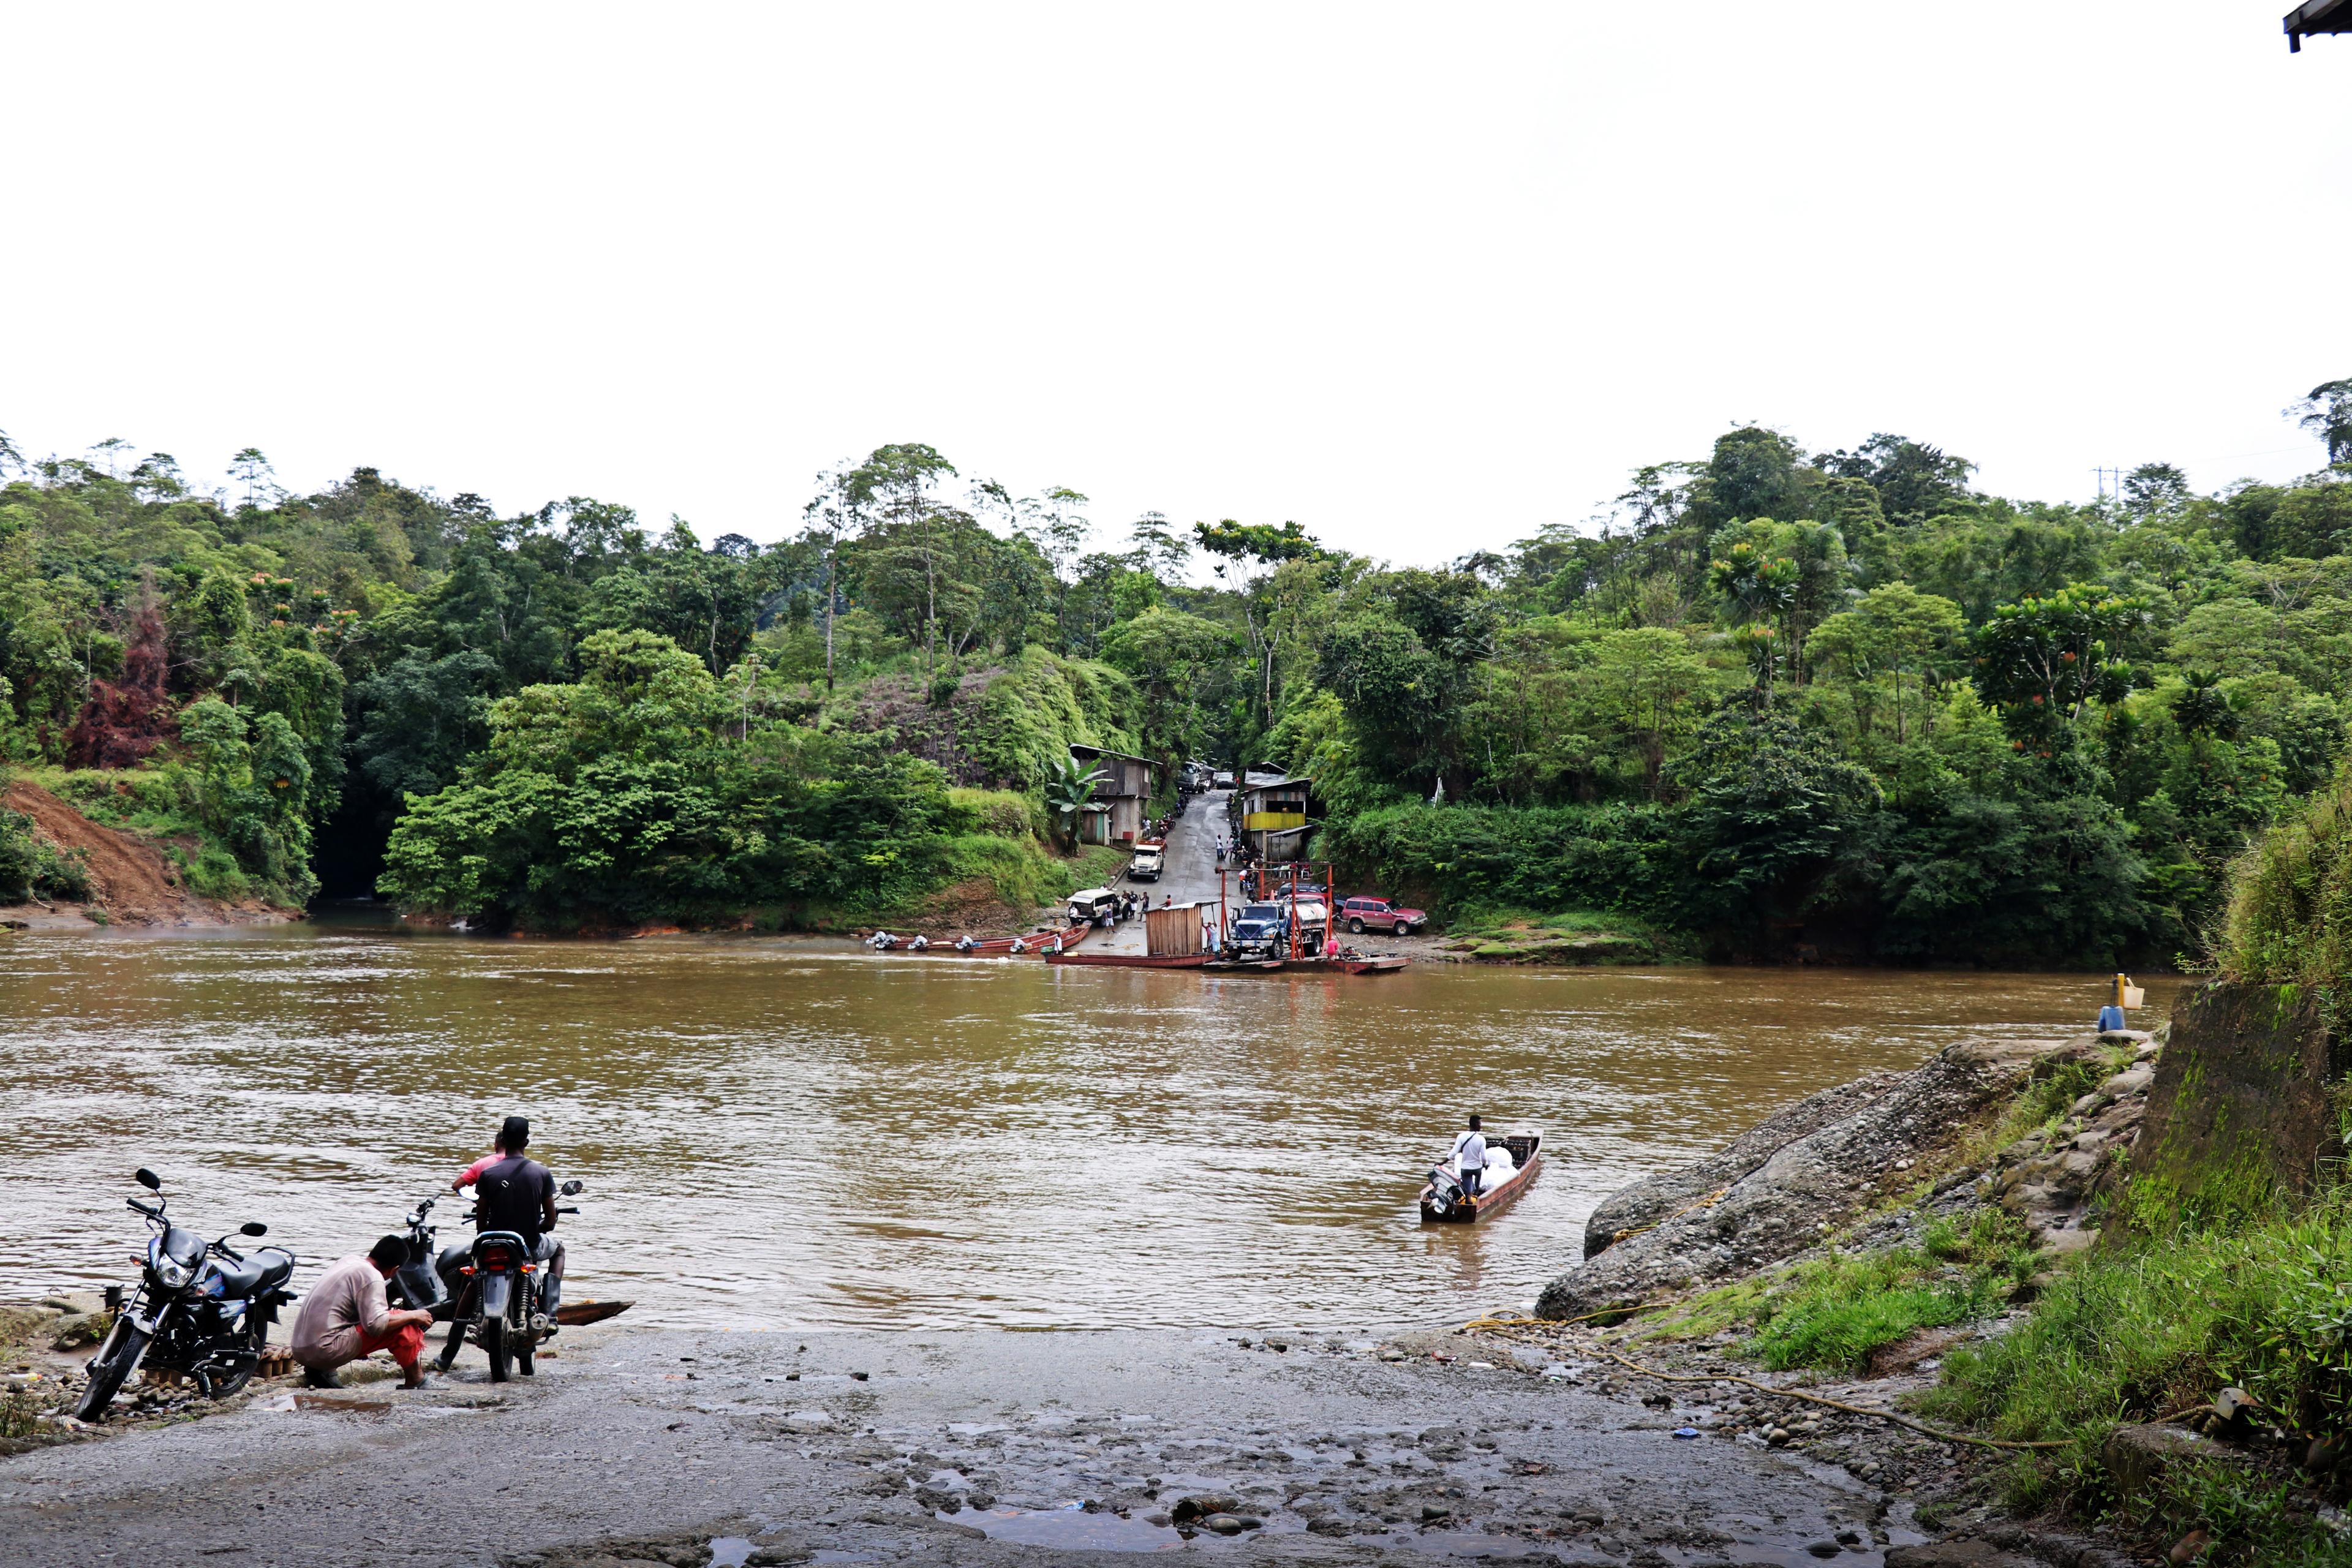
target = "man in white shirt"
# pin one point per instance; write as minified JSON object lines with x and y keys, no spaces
{"x":1470,"y":1158}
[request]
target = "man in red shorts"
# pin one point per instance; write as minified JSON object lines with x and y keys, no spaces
{"x":345,"y":1317}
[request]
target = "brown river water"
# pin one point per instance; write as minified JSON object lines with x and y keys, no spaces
{"x":791,"y":1133}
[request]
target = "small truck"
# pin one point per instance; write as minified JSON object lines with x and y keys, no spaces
{"x":1151,"y":854}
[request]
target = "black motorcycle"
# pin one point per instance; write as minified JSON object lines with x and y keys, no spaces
{"x":201,"y":1308}
{"x":417,"y":1284}
{"x":501,"y":1288}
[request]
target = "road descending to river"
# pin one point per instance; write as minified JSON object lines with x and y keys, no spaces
{"x":1189,"y":869}
{"x":780,"y":1133}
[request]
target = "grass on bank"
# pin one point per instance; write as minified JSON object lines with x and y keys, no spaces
{"x":2162,"y":1325}
{"x":1505,"y":933}
{"x":1833,"y":1312}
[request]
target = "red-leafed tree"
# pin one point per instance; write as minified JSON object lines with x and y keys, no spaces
{"x":123,"y":720}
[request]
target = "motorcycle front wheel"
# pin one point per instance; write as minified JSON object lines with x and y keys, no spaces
{"x":125,"y":1343}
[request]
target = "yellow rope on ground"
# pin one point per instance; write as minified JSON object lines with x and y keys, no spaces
{"x":1509,"y":1326}
{"x":1708,"y":1202}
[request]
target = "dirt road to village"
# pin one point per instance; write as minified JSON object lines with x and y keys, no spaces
{"x":966,"y":1448}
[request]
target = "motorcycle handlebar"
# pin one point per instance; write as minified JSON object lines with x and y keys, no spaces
{"x":567,"y":1211}
{"x":153,"y":1211}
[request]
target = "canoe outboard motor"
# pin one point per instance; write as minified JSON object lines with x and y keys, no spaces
{"x":1444,"y":1191}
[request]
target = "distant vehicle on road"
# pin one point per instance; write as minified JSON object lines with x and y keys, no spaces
{"x":1091,"y":904}
{"x":1222,"y":779}
{"x":1380,"y":914}
{"x":1150,"y":854}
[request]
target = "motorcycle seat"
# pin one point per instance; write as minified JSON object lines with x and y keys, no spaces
{"x":263,"y":1270}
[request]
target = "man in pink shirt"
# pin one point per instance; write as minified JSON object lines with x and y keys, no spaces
{"x":346,"y":1317}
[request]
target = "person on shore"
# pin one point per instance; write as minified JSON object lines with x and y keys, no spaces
{"x":346,"y":1317}
{"x":1470,"y":1158}
{"x":514,"y":1192}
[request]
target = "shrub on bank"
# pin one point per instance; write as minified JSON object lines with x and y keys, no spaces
{"x":2289,"y":919}
{"x":29,"y":866}
{"x":2158,"y":1326}
{"x":1613,"y":857}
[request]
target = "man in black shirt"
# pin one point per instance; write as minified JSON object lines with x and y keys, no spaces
{"x":513,"y":1192}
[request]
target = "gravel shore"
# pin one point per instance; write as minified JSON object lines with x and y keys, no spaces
{"x":637,"y":1446}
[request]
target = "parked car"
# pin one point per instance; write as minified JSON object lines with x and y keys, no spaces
{"x":1384,"y":914}
{"x":1091,"y":905}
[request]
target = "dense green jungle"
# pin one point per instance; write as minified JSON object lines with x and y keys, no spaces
{"x":1777,"y":702}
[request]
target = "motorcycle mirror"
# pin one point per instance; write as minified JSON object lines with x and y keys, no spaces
{"x":571,"y":1187}
{"x":253,"y":1227}
{"x":149,"y":1180}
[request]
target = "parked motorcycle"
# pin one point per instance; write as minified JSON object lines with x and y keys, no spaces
{"x":500,"y":1297}
{"x":201,"y":1308}
{"x":417,"y":1284}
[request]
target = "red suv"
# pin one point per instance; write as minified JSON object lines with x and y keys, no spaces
{"x":1361,"y":913}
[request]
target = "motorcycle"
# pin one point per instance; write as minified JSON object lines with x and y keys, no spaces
{"x":201,"y":1308}
{"x":417,"y":1284}
{"x":498,"y":1306}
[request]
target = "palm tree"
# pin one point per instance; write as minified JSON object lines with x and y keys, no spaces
{"x":1070,"y":789}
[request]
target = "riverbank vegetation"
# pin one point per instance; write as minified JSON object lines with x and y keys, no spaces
{"x":1779,"y":701}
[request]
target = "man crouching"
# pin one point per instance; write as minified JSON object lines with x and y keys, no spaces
{"x":345,"y":1317}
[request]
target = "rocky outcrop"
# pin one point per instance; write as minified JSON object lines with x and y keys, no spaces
{"x":1644,"y":1204}
{"x":2054,"y":1178}
{"x":1818,"y":1178}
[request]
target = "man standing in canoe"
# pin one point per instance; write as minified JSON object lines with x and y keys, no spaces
{"x":1470,"y":1158}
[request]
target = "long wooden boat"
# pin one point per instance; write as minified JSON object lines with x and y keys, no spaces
{"x":996,"y":947}
{"x":1128,"y":960}
{"x":1244,"y":965}
{"x":1526,"y":1148}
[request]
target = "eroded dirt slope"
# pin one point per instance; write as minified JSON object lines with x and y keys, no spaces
{"x":129,"y":879}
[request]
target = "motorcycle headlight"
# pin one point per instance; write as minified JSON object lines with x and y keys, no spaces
{"x":174,"y":1273}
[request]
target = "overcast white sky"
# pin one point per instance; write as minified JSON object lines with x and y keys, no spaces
{"x":1421,"y":278}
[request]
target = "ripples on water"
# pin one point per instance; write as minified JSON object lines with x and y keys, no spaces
{"x":780,"y":1133}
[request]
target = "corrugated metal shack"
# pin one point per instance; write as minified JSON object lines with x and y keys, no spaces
{"x":1124,"y":790}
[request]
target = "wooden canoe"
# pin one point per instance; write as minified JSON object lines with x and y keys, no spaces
{"x":1526,"y":1148}
{"x":1383,"y":964}
{"x":572,"y":1313}
{"x":1244,"y":965}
